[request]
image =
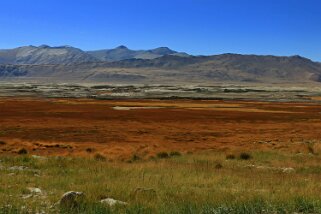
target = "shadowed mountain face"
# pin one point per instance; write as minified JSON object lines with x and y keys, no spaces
{"x":228,"y":67}
{"x":157,"y":66}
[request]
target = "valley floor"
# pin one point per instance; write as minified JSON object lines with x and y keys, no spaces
{"x":197,"y":156}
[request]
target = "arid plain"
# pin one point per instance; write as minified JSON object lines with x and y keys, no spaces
{"x":165,"y":155}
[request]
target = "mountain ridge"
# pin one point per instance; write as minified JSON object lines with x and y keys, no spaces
{"x":45,"y":54}
{"x":69,"y":64}
{"x":123,"y":53}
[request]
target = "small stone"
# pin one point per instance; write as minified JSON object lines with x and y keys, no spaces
{"x":38,"y":157}
{"x":35,"y":190}
{"x":112,"y":202}
{"x":18,"y":168}
{"x":288,"y":170}
{"x":26,"y":196}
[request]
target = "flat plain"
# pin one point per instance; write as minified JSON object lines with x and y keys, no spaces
{"x":196,"y":155}
{"x":122,"y":128}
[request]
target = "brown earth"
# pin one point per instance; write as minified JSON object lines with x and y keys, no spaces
{"x":83,"y":127}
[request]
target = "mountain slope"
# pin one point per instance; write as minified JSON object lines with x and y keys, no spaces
{"x":44,"y":55}
{"x":171,"y":69}
{"x":259,"y":68}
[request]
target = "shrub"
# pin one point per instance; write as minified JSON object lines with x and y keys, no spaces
{"x":90,"y":150}
{"x":162,"y":155}
{"x":218,"y":166}
{"x":64,"y":146}
{"x":27,"y":159}
{"x":175,"y":153}
{"x":311,"y":148}
{"x":100,"y":157}
{"x":303,"y":205}
{"x":22,"y":151}
{"x":2,"y":142}
{"x":245,"y":156}
{"x":152,"y":158}
{"x":230,"y":157}
{"x":135,"y":158}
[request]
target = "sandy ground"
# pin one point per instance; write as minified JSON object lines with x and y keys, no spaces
{"x":119,"y":129}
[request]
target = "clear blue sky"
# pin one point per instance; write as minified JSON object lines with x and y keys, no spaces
{"x":279,"y":27}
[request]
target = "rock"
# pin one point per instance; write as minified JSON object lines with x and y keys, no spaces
{"x":112,"y":202}
{"x":38,"y":157}
{"x":250,"y":166}
{"x":280,"y":169}
{"x":24,"y":168}
{"x":261,"y":167}
{"x":288,"y":170}
{"x":18,"y":168}
{"x":71,"y":199}
{"x":34,"y":190}
{"x":26,"y":196}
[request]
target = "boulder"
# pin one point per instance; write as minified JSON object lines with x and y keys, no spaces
{"x":71,"y":199}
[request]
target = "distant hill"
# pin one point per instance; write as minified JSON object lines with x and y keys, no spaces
{"x":122,"y":53}
{"x":45,"y":55}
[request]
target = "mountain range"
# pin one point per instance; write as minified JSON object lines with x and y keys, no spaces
{"x":46,"y":55}
{"x":156,"y":66}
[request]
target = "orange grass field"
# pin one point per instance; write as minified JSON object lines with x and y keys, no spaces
{"x":119,"y":129}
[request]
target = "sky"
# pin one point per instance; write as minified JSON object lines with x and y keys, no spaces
{"x":199,"y":27}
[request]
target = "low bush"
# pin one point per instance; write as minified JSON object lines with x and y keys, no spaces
{"x":175,"y":153}
{"x":218,"y":166}
{"x":230,"y":157}
{"x":90,"y":150}
{"x":22,"y":151}
{"x":311,"y":148}
{"x":245,"y":156}
{"x":162,"y":155}
{"x":303,"y":205}
{"x":100,"y":157}
{"x":135,"y":158}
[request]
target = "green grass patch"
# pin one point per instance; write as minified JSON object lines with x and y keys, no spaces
{"x":196,"y":183}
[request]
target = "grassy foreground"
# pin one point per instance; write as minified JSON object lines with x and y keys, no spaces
{"x":268,"y":182}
